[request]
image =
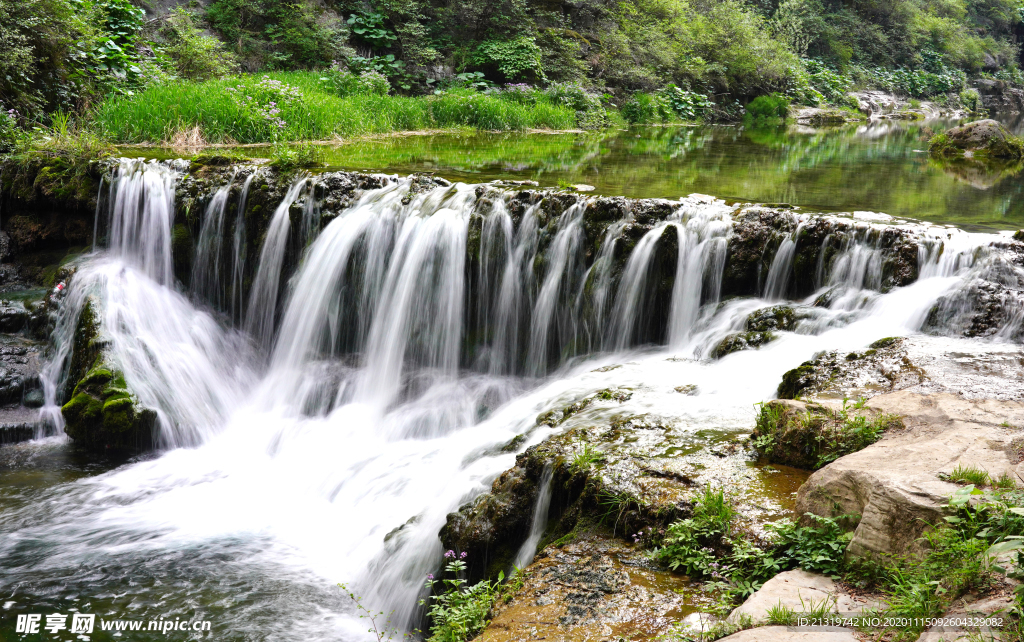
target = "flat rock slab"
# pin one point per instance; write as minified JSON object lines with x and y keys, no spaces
{"x":786,"y":634}
{"x":592,"y":589}
{"x":895,"y":484}
{"x":799,"y":591}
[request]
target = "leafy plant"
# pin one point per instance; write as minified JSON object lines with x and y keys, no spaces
{"x":296,"y":156}
{"x":586,"y":456}
{"x":772,"y":107}
{"x":457,"y":611}
{"x":380,"y":630}
{"x":818,"y":435}
{"x":369,"y":27}
{"x":195,"y":55}
{"x":513,"y":59}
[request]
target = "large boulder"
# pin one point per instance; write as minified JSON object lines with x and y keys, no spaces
{"x":895,"y":485}
{"x":986,"y":138}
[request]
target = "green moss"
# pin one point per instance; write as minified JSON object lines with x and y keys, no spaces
{"x":796,"y":380}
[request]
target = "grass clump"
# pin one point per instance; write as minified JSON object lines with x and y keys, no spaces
{"x":288,"y":106}
{"x":586,"y":456}
{"x":969,"y":475}
{"x":818,"y":435}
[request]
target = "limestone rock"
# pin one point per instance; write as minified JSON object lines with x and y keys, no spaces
{"x":982,"y":137}
{"x":894,"y":484}
{"x":798,"y":591}
{"x":785,"y":634}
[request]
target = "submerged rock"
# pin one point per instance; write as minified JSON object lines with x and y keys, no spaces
{"x":627,"y":472}
{"x":761,"y":327}
{"x":884,"y":366}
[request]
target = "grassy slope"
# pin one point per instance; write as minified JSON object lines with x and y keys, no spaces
{"x":158,"y":112}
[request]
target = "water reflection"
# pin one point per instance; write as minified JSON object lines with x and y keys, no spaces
{"x":881,"y":166}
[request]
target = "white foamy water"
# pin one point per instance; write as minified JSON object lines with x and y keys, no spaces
{"x":327,"y":440}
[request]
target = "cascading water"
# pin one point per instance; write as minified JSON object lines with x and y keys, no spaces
{"x":328,"y":443}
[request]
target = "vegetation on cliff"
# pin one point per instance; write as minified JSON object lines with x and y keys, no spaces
{"x":656,"y":60}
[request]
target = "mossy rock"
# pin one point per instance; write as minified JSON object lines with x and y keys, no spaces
{"x":738,"y":341}
{"x":1019,"y":236}
{"x":983,"y":138}
{"x":797,"y":380}
{"x":102,"y":414}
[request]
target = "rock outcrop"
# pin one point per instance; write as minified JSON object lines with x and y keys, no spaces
{"x":895,"y":484}
{"x":999,"y":96}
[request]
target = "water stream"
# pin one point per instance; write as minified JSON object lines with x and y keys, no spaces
{"x":323,"y":433}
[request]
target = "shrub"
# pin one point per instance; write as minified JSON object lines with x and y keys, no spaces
{"x":970,"y":99}
{"x":196,"y":56}
{"x":768,"y":107}
{"x":369,"y":27}
{"x":688,"y":105}
{"x":513,"y":59}
{"x":641,"y":108}
{"x":590,"y":112}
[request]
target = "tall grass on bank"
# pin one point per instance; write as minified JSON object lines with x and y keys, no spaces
{"x":287,"y":106}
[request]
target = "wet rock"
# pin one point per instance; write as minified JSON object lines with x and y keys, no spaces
{"x":895,"y":484}
{"x":991,"y":303}
{"x":761,"y":327}
{"x":102,"y":412}
{"x":740,"y":341}
{"x":884,"y":366}
{"x":628,"y":472}
{"x":594,"y":588}
{"x":980,"y":138}
{"x":808,"y":435}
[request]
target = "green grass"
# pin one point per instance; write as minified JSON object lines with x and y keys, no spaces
{"x":309,"y":110}
{"x":969,"y":475}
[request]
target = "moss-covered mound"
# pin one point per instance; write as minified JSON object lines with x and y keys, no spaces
{"x":809,"y":436}
{"x":103,"y":413}
{"x":983,"y":138}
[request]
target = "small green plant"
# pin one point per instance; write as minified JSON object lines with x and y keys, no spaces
{"x":969,"y":475}
{"x":818,"y":435}
{"x":458,"y":612}
{"x":288,"y":157}
{"x":369,"y":27}
{"x":383,"y":631}
{"x":586,"y":456}
{"x":514,"y":59}
{"x":781,"y":615}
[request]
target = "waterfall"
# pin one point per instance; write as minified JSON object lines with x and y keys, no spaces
{"x":516,"y":285}
{"x":538,"y":522}
{"x":562,"y":252}
{"x":777,"y":283}
{"x":140,"y":219}
{"x":369,"y":382}
{"x":238,"y":247}
{"x":701,"y":261}
{"x":206,"y":277}
{"x":261,"y":315}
